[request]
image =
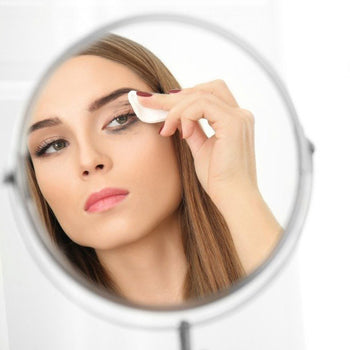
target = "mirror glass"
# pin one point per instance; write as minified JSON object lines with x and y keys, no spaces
{"x":195,"y":216}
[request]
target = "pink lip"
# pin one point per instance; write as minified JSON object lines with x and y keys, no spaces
{"x":105,"y":199}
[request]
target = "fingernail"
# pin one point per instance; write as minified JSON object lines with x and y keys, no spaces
{"x":160,"y":130}
{"x":143,"y":93}
{"x":173,"y":91}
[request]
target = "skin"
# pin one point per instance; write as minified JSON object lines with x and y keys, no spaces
{"x":139,"y":239}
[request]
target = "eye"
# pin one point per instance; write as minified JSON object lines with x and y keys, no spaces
{"x":122,"y":121}
{"x":56,"y":145}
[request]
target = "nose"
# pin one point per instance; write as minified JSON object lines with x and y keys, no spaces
{"x":92,"y":169}
{"x":93,"y":161}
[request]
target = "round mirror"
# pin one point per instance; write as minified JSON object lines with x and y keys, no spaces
{"x":155,"y":223}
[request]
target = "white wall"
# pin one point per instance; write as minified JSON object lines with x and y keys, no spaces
{"x":314,"y":42}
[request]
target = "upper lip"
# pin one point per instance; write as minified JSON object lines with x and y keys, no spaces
{"x":104,"y":193}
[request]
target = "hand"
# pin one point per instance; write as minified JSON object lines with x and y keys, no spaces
{"x":224,"y":163}
{"x":225,"y":159}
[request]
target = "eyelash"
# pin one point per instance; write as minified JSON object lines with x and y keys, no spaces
{"x":45,"y":145}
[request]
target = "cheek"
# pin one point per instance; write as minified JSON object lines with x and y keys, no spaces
{"x":151,"y":174}
{"x":61,"y":192}
{"x":54,"y":184}
{"x":158,"y":182}
{"x":152,"y":162}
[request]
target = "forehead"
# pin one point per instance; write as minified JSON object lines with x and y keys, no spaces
{"x":80,"y":80}
{"x":88,"y":68}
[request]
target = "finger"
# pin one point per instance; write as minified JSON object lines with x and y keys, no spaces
{"x":194,"y":134}
{"x":160,"y":101}
{"x":217,"y":88}
{"x":194,"y":108}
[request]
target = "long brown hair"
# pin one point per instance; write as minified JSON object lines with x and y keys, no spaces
{"x":213,"y":263}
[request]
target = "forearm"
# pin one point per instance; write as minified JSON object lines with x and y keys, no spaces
{"x":254,"y":229}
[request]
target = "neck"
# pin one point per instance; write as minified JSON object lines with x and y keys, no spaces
{"x":152,"y":269}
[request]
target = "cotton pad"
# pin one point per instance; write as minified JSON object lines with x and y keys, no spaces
{"x":147,"y":115}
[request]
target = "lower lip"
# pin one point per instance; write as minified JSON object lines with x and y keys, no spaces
{"x":105,"y":203}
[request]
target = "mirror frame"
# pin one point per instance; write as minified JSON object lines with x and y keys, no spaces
{"x":95,"y":301}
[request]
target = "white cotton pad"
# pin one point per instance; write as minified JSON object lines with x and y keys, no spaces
{"x":147,"y":115}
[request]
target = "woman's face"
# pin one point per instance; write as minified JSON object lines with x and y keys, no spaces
{"x":91,"y":154}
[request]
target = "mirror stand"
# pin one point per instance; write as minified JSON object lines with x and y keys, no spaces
{"x":184,"y":331}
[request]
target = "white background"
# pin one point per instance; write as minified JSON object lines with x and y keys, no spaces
{"x":308,"y":43}
{"x":314,"y":42}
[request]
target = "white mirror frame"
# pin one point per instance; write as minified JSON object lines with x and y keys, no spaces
{"x":121,"y":313}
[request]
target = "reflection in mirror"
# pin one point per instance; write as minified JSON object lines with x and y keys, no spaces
{"x":189,"y":219}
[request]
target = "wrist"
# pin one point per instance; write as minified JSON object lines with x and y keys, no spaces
{"x":227,"y":196}
{"x":253,"y":227}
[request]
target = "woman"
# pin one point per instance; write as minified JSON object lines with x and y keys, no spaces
{"x":188,"y":220}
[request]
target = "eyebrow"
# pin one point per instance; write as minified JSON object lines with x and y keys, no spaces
{"x":94,"y":106}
